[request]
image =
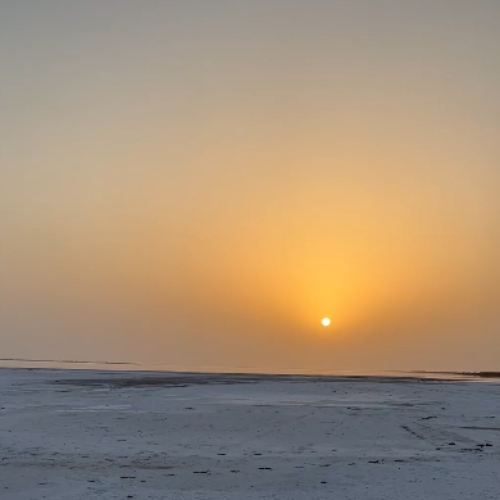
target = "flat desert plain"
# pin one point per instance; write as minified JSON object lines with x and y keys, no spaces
{"x":71,"y":434}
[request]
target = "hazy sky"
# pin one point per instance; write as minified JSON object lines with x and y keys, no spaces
{"x":199,"y":182}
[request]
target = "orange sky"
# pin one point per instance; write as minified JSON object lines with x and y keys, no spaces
{"x":199,"y":184}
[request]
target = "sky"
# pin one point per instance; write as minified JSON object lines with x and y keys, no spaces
{"x":198,"y":183}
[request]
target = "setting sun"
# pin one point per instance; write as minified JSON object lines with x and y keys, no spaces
{"x":325,"y":321}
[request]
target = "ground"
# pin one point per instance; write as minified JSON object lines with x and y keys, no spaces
{"x":71,"y":434}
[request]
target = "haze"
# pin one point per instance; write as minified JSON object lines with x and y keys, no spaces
{"x":200,"y":183}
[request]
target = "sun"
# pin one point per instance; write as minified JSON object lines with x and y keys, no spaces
{"x":325,"y":321}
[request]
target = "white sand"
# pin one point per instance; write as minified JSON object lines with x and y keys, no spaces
{"x":293,"y":439}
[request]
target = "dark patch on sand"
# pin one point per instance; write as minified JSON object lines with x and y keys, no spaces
{"x":171,"y":380}
{"x":481,"y":374}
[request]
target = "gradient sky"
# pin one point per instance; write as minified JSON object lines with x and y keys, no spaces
{"x":198,"y":183}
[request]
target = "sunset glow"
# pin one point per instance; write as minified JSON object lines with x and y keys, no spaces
{"x":200,"y":182}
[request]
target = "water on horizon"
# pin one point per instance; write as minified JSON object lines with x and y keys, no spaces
{"x":144,"y":367}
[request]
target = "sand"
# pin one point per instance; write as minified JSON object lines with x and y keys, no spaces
{"x":75,"y":434}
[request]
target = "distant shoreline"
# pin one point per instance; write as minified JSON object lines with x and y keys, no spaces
{"x":245,"y":373}
{"x":67,"y":361}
